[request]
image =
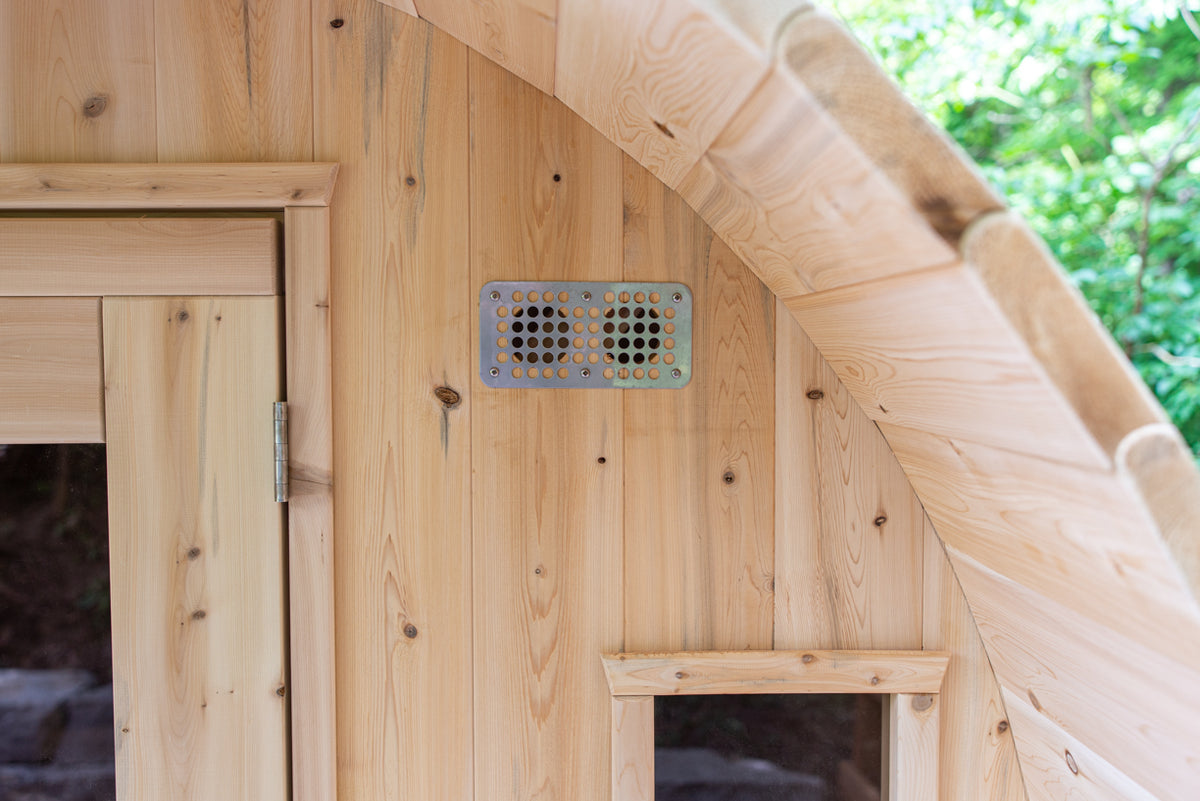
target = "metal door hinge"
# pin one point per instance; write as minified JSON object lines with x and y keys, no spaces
{"x":281,"y":452}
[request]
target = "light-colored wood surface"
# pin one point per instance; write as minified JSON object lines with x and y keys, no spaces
{"x":518,"y":35}
{"x":848,"y":528}
{"x":632,"y":749}
{"x":51,"y":381}
{"x":1053,"y":319}
{"x":1162,"y":470}
{"x":923,"y":162}
{"x":310,"y":507}
{"x":547,"y":463}
{"x":659,"y":79}
{"x":236,"y":82}
{"x":391,"y":105}
{"x":1057,"y":766}
{"x":401,"y":5}
{"x":1075,"y":536}
{"x":699,"y":481}
{"x":773,"y":672}
{"x":977,"y":759}
{"x":1036,"y":661}
{"x":914,"y":733}
{"x":799,"y":203}
{"x":887,"y":341}
{"x":165,"y":186}
{"x":199,"y":666}
{"x":77,"y":81}
{"x":139,"y":256}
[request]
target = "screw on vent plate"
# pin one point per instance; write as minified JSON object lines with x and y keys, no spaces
{"x":585,"y":334}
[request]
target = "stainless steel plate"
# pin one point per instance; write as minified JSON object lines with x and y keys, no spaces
{"x":585,"y":334}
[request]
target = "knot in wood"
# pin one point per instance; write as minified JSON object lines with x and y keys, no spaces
{"x":879,"y":521}
{"x":182,"y":316}
{"x":281,"y":691}
{"x":557,"y":177}
{"x":874,"y":680}
{"x":337,"y":23}
{"x":664,"y":129}
{"x":815,"y":394}
{"x":410,"y":631}
{"x":807,"y":659}
{"x":728,"y":477}
{"x":410,"y":181}
{"x":1002,"y":726}
{"x":601,"y":460}
{"x":193,"y":553}
{"x":94,"y":106}
{"x":1071,"y":766}
{"x":922,"y":702}
{"x":199,"y":614}
{"x":679,"y":674}
{"x":448,"y":397}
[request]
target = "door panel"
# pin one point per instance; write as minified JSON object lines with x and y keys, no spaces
{"x":50,"y":381}
{"x":197,"y":550}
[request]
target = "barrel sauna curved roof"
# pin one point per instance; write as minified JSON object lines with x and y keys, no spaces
{"x":1066,"y":501}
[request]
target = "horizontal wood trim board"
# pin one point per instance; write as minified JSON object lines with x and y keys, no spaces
{"x":51,"y":385}
{"x":776,"y":672}
{"x":166,"y":186}
{"x":131,"y":256}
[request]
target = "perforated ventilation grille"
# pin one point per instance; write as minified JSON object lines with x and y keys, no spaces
{"x":585,"y":334}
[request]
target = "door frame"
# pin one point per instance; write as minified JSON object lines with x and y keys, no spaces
{"x":302,"y":192}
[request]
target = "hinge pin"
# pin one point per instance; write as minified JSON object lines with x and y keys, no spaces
{"x":281,"y":452}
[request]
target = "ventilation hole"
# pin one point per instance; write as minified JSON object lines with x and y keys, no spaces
{"x":655,"y":297}
{"x":563,"y":311}
{"x":624,"y":312}
{"x":563,"y":373}
{"x":501,"y":343}
{"x":653,"y":358}
{"x":624,"y":296}
{"x":653,"y":373}
{"x":578,"y":312}
{"x":608,"y":358}
{"x":608,"y":342}
{"x":532,"y":372}
{"x":594,"y":328}
{"x":577,"y":358}
{"x":610,"y":313}
{"x":668,"y":358}
{"x":594,"y":312}
{"x":517,"y":296}
{"x":669,"y":313}
{"x":669,"y":328}
{"x":548,"y":342}
{"x":654,"y":328}
{"x":639,"y":312}
{"x":654,"y":343}
{"x":593,"y":357}
{"x":502,"y":358}
{"x":609,"y":297}
{"x":533,"y":311}
{"x":564,"y":328}
{"x":547,"y":311}
{"x":547,"y":357}
{"x":623,"y":372}
{"x":577,"y":343}
{"x":563,"y":342}
{"x":623,"y":358}
{"x":502,"y":327}
{"x":623,"y":342}
{"x":639,"y":297}
{"x":593,"y":343}
{"x":548,"y":297}
{"x":654,"y":313}
{"x":563,"y":297}
{"x":639,"y":328}
{"x":609,"y":373}
{"x":516,"y":372}
{"x":623,"y":328}
{"x":518,"y":357}
{"x":531,"y":357}
{"x":609,"y":328}
{"x":639,"y":373}
{"x":563,"y":357}
{"x":518,"y":311}
{"x":578,"y":328}
{"x":502,"y":311}
{"x":668,"y":343}
{"x":518,"y":342}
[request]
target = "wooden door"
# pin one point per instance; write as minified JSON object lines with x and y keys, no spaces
{"x":181,"y":390}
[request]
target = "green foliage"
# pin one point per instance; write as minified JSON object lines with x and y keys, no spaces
{"x":1085,"y":113}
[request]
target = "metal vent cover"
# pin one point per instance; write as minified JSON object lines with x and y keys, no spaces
{"x":585,"y":334}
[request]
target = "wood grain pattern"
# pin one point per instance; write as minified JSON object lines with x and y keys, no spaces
{"x":518,"y":35}
{"x":1073,"y":535}
{"x":913,"y":759}
{"x":977,"y":759}
{"x":199,"y":664}
{"x":888,"y":342}
{"x":77,"y":81}
{"x":310,"y":507}
{"x":699,"y":462}
{"x":919,"y":158}
{"x":661,"y":80}
{"x":802,"y":206}
{"x":391,"y":106}
{"x":1057,"y":766}
{"x":1060,"y":329}
{"x":237,"y":82}
{"x":132,"y":256}
{"x":165,"y":186}
{"x":1161,"y":468}
{"x":632,"y":749}
{"x":547,"y":463}
{"x":51,"y":381}
{"x":772,"y":672}
{"x":848,"y":528}
{"x":1039,"y":649}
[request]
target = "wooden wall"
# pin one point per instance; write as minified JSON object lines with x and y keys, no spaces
{"x":488,"y":550}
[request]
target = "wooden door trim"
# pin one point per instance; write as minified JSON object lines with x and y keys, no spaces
{"x":302,"y":191}
{"x":912,"y":680}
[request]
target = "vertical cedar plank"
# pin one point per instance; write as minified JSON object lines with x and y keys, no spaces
{"x":310,"y":505}
{"x":391,"y":107}
{"x":978,"y":757}
{"x":234,"y":80}
{"x":76,"y":81}
{"x":849,"y":529}
{"x":914,"y":732}
{"x":547,"y":514}
{"x":699,"y":462}
{"x":633,"y":749}
{"x":197,"y":548}
{"x":519,"y":35}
